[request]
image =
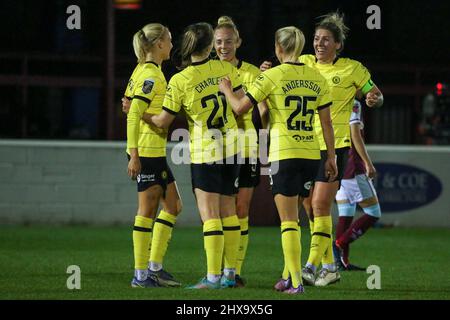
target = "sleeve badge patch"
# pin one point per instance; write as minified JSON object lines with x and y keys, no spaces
{"x":147,"y":86}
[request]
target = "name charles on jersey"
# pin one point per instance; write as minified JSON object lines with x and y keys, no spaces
{"x":206,"y":83}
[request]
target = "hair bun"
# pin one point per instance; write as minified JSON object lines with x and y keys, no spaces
{"x":225,"y":20}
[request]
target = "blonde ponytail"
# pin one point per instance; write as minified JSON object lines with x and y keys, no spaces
{"x":291,"y":40}
{"x":146,"y":38}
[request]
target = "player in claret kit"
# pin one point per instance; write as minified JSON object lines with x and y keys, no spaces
{"x":356,"y":188}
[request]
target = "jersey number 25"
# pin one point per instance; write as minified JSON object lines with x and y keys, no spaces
{"x":301,"y":104}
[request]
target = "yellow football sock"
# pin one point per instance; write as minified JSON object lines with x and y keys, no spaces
{"x":320,"y":239}
{"x":328,"y":257}
{"x":243,"y":244}
{"x":285,"y":273}
{"x":290,"y":240}
{"x":142,"y":238}
{"x":162,"y":233}
{"x":311,"y":226}
{"x":231,"y":236}
{"x":213,"y":243}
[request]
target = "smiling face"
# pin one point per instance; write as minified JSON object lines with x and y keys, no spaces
{"x":325,"y":46}
{"x":226,"y":44}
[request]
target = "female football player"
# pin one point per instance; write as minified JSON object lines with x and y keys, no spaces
{"x":146,"y":148}
{"x":213,"y":147}
{"x":226,"y":43}
{"x":294,"y":93}
{"x":356,"y":188}
{"x":344,"y":76}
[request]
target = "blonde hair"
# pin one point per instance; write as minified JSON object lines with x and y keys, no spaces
{"x":227,"y":22}
{"x":291,"y":40}
{"x":196,"y":39}
{"x":334,"y":22}
{"x":146,"y":38}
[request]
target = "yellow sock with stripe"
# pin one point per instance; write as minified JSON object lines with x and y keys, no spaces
{"x":213,"y":243}
{"x":243,"y":243}
{"x":328,"y":257}
{"x":231,"y":235}
{"x":290,"y":240}
{"x":162,"y":233}
{"x":285,"y":274}
{"x":142,"y":238}
{"x":311,"y":226}
{"x":320,"y":239}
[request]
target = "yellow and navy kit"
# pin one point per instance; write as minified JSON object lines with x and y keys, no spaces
{"x":146,"y":89}
{"x":248,"y":73}
{"x":212,"y":127}
{"x":344,"y":77}
{"x":293,"y":92}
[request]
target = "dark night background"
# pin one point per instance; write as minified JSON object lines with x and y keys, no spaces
{"x":52,"y":80}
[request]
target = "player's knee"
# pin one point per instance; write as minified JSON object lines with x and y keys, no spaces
{"x":374,"y":210}
{"x":346,"y":209}
{"x":173,"y":208}
{"x":321,"y":208}
{"x":148,"y":211}
{"x":242,"y":208}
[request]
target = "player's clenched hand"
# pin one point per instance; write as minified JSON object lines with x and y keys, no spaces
{"x":371,"y":171}
{"x":134,"y":167}
{"x":225,"y":85}
{"x":126,"y":105}
{"x":331,"y":170}
{"x":265,"y":65}
{"x":372,"y":99}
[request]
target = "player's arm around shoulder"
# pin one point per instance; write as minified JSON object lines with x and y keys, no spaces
{"x":239,"y":102}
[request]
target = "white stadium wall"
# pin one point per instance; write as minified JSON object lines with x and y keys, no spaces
{"x":62,"y":182}
{"x":59,"y":182}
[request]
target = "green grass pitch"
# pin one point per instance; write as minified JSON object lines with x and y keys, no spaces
{"x":34,"y":261}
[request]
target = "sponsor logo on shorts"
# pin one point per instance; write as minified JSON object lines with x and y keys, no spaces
{"x":164,"y":174}
{"x":236,"y":183}
{"x":145,"y":177}
{"x":308,"y":185}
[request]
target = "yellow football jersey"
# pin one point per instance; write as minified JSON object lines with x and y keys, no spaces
{"x":247,"y":73}
{"x":344,"y":77}
{"x":212,"y":127}
{"x":146,"y":88}
{"x":293,"y":92}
